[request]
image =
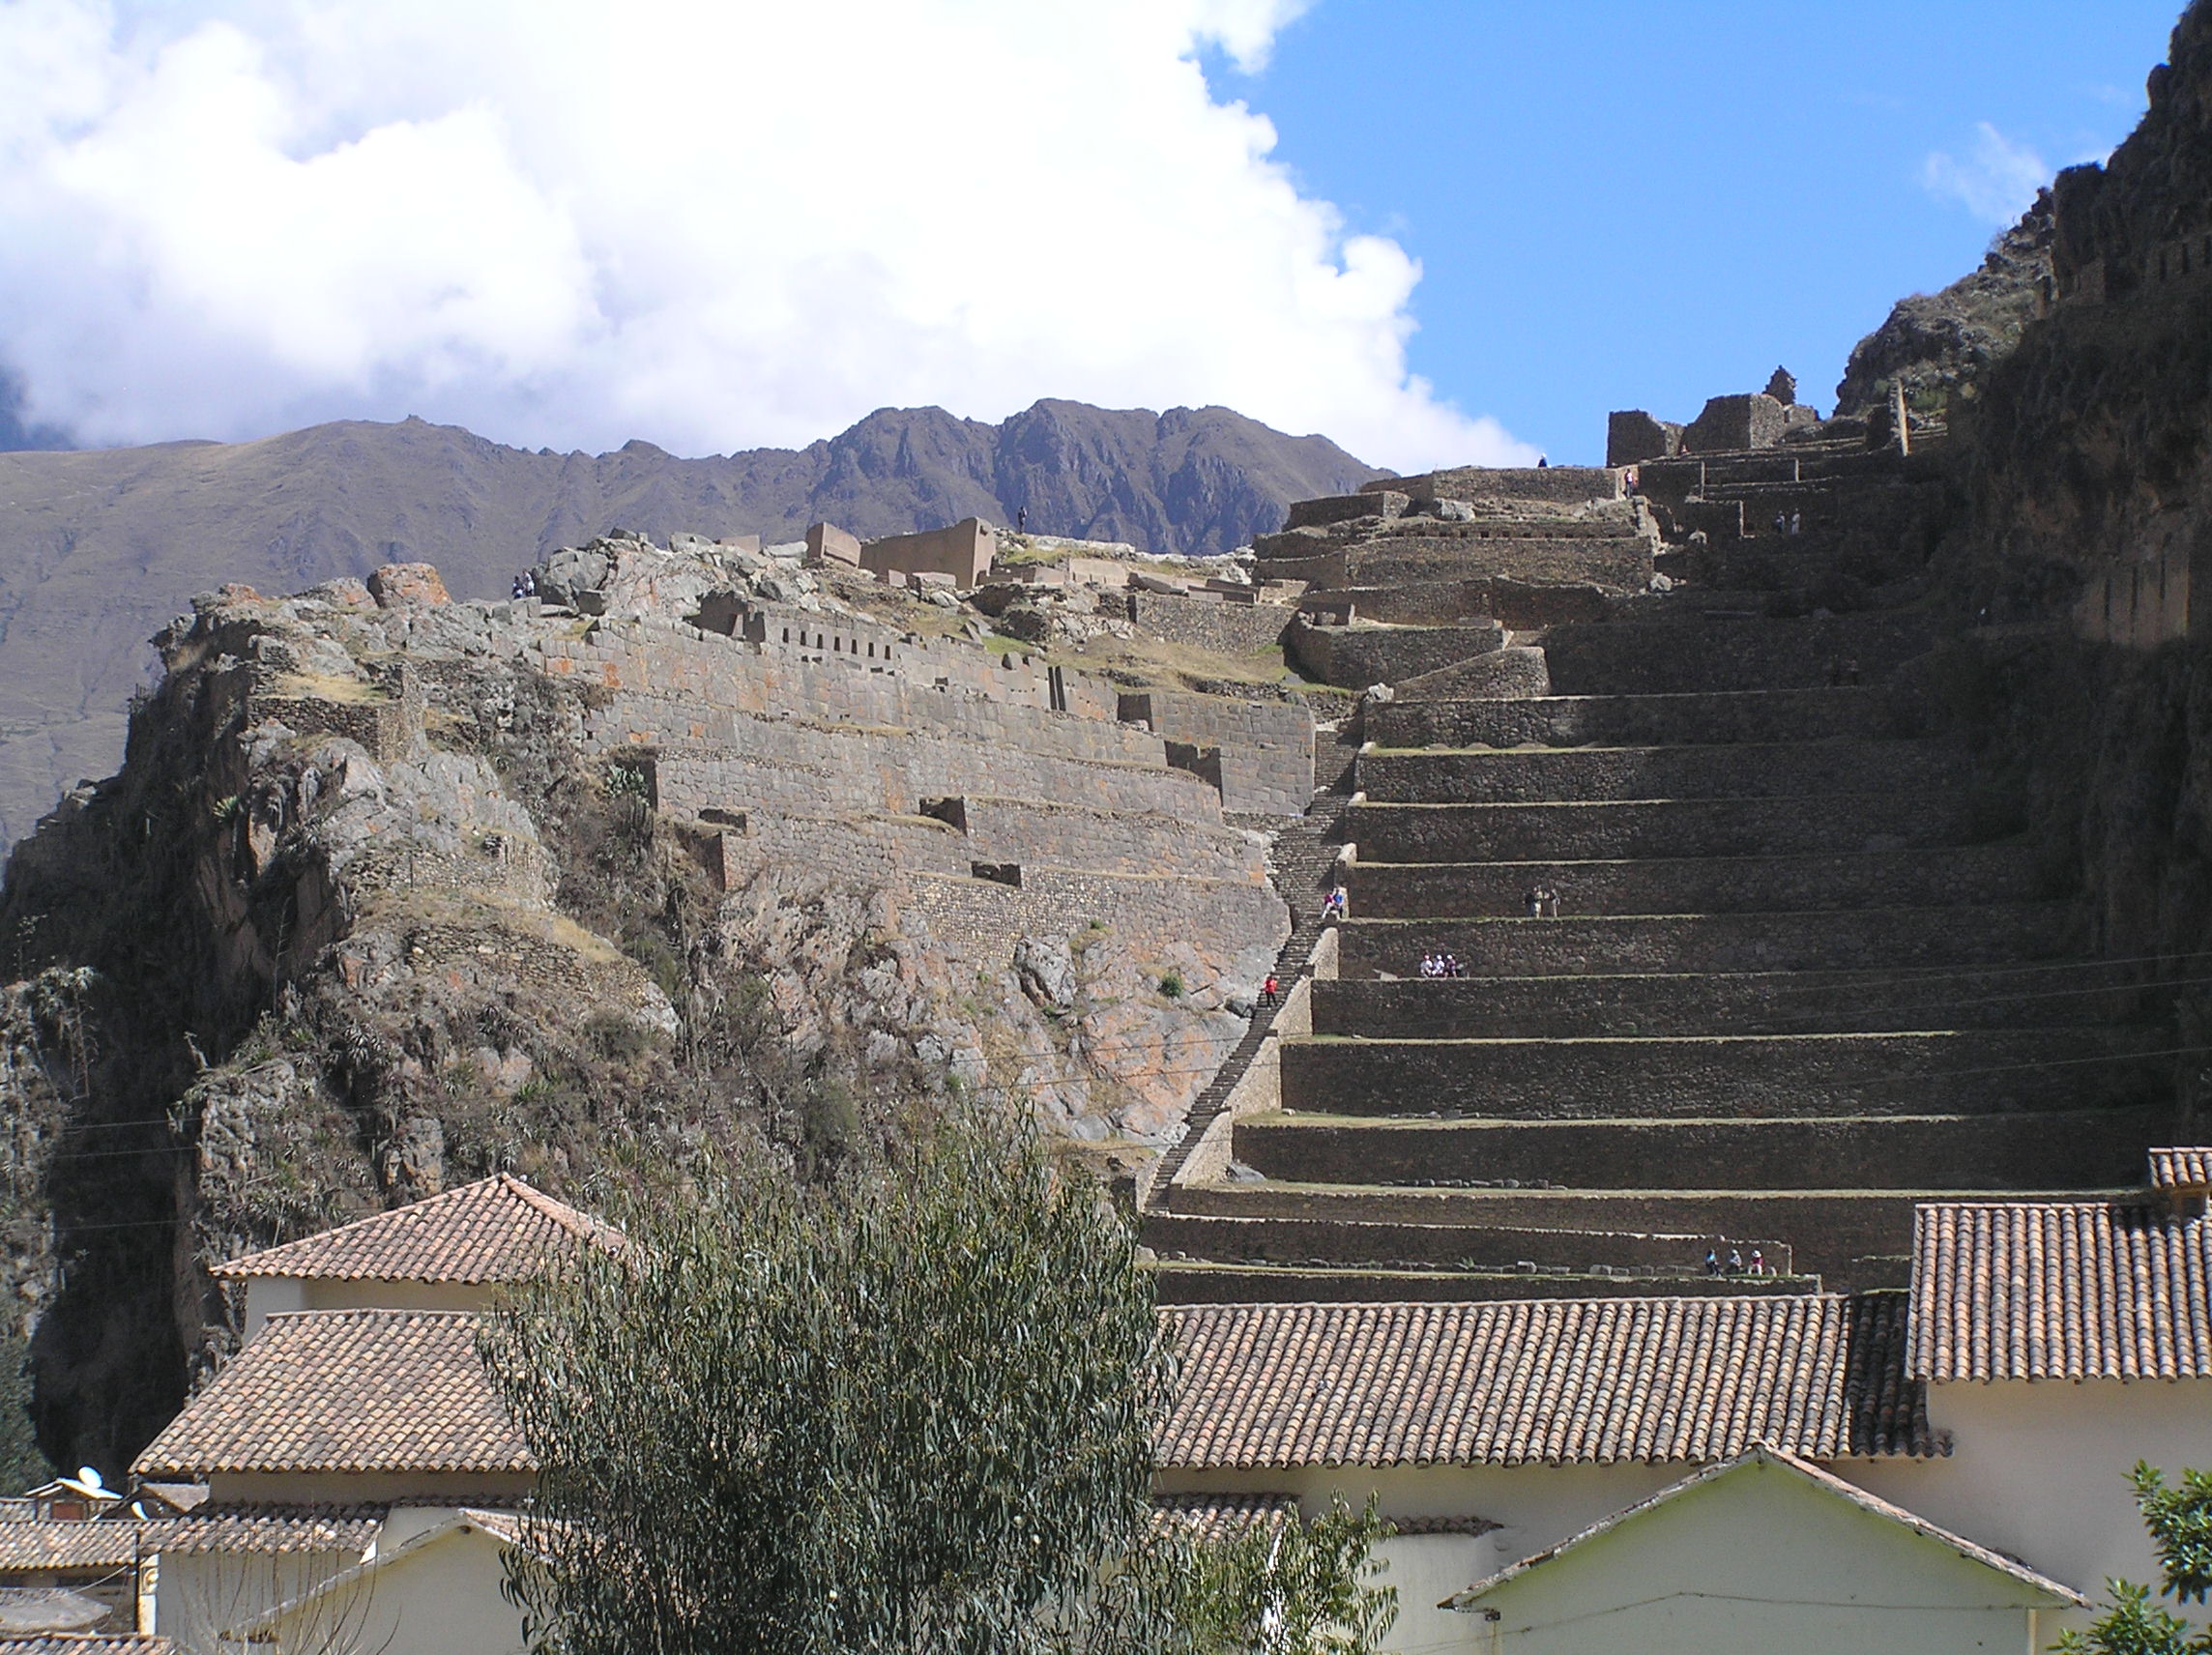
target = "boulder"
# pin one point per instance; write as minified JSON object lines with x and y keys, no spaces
{"x":407,"y":585}
{"x":1047,"y":970}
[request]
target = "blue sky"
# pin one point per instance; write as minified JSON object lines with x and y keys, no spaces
{"x":1439,"y":231}
{"x":1637,"y":206}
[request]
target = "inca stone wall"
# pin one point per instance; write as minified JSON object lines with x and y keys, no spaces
{"x":1209,"y":624}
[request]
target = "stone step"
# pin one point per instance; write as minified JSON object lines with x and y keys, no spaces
{"x":1735,"y":1002}
{"x":1693,"y":656}
{"x":1854,"y":1238}
{"x":1668,"y":827}
{"x":1619,"y":560}
{"x":1495,"y":1248}
{"x":1729,"y":1076}
{"x":1638,"y":721}
{"x":1768,"y":566}
{"x":1996,"y":1152}
{"x":1842,"y":939}
{"x":1175,"y":1282}
{"x":1747,"y":769}
{"x":1950,"y":876}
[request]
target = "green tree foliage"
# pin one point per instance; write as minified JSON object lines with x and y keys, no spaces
{"x":2179,"y":1522}
{"x":22,"y":1464}
{"x":1302,"y":1587}
{"x":911,"y":1412}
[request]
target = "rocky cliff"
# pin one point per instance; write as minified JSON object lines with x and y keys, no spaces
{"x":717,"y":854}
{"x":98,"y":549}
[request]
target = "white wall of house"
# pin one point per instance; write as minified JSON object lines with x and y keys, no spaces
{"x":1537,"y":1506}
{"x":2039,"y":1470}
{"x":1757,"y":1561}
{"x":197,"y":1595}
{"x":1426,"y":1569}
{"x":275,"y":1295}
{"x":440,"y":1596}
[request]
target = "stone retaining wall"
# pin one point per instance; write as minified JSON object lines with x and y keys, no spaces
{"x":982,"y":920}
{"x":1571,"y":721}
{"x":1820,"y":824}
{"x":1517,"y":604}
{"x":1678,"y":659}
{"x":1354,"y":657}
{"x":1198,"y":624}
{"x":1265,"y":747}
{"x":1967,"y":1152}
{"x":1934,"y":877}
{"x":1983,"y":1072}
{"x":1034,"y":833}
{"x":1738,"y":770}
{"x":812,"y":770}
{"x":1898,"y":937}
{"x":1567,"y":485}
{"x":1750,"y":1002}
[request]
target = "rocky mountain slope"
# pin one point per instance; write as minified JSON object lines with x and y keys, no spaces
{"x":99,"y":549}
{"x":716,"y":855}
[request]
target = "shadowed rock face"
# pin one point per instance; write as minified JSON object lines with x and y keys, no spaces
{"x":98,"y":549}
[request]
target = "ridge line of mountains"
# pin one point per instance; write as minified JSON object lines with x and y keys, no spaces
{"x":100,"y":548}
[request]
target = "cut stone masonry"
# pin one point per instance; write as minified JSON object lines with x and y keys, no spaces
{"x":1802,"y":974}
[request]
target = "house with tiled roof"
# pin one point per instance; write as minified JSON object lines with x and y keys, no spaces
{"x":1488,"y":1431}
{"x":359,"y":1469}
{"x":2058,"y":1342}
{"x":449,"y":1252}
{"x":1763,"y":1551}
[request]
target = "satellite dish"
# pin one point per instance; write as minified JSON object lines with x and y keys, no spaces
{"x":89,"y":1476}
{"x":86,"y":1482}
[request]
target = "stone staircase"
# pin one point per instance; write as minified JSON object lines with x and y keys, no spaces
{"x":1806,"y":971}
{"x":1303,"y":858}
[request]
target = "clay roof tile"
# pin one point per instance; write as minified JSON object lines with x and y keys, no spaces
{"x":2060,"y":1291}
{"x":346,"y":1390}
{"x":496,"y":1230}
{"x":1542,"y":1380}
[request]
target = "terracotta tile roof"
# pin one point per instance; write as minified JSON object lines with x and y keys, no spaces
{"x":1544,"y":1380}
{"x":2075,"y":1290}
{"x":89,"y":1643}
{"x":2017,"y":1572}
{"x":27,"y":1547}
{"x":2181,"y":1169}
{"x":268,"y":1528}
{"x":346,"y":1390}
{"x":1218,"y":1517}
{"x":496,"y":1230}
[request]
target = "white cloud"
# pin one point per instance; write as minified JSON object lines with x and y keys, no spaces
{"x":713,"y":224}
{"x":1996,"y":180}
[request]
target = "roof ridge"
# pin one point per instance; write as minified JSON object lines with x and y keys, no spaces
{"x":1368,"y":1306}
{"x":367,"y":1312}
{"x":584,"y":1226}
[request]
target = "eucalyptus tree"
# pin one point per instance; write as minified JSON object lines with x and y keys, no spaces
{"x":2178,"y":1518}
{"x":911,"y":1412}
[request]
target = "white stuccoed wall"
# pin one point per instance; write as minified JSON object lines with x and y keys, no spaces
{"x":2038,"y":1470}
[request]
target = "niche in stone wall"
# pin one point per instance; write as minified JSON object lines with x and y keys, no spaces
{"x":952,"y":812}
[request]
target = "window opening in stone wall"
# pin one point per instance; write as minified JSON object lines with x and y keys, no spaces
{"x":787,"y":634}
{"x":837,"y":646}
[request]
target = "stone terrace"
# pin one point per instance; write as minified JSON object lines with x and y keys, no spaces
{"x":1804,"y":972}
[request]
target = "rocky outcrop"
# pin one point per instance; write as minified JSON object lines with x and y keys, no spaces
{"x":388,"y":895}
{"x":1939,"y":346}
